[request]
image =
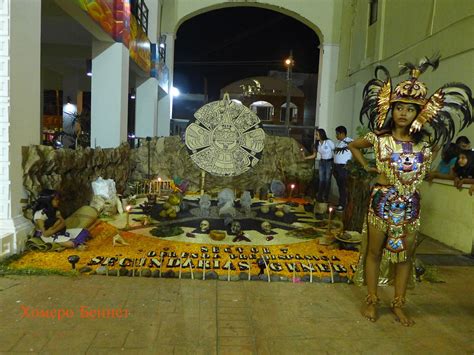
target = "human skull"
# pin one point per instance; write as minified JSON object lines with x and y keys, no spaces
{"x":204,"y":226}
{"x":235,"y":227}
{"x":266,"y":227}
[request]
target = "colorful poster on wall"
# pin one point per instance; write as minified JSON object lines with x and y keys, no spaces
{"x":113,"y":16}
{"x":159,"y":70}
{"x":139,"y":46}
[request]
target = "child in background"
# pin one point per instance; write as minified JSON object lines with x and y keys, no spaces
{"x":50,"y":225}
{"x":448,"y":159}
{"x":444,"y":171}
{"x":463,"y":170}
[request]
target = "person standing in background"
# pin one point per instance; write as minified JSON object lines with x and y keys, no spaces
{"x":342,"y":155}
{"x":325,"y":148}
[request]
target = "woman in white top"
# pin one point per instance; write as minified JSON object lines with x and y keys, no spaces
{"x":325,"y":148}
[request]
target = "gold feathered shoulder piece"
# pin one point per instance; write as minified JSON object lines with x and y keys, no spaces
{"x":376,"y":99}
{"x":449,"y":104}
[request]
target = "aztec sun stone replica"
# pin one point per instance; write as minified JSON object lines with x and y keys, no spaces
{"x":225,"y":139}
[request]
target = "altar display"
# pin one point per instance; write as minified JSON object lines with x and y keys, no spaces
{"x":211,"y":208}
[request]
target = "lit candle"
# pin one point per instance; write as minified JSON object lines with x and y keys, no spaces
{"x":329,"y":220}
{"x":127,"y":212}
{"x":159,"y":186}
{"x":292,"y":187}
{"x":310,"y":272}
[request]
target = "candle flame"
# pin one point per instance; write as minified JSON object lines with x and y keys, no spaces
{"x":128,"y":208}
{"x":159,"y":179}
{"x":292,"y":186}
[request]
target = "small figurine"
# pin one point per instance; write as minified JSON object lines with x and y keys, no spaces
{"x":266,"y":227}
{"x":204,"y":226}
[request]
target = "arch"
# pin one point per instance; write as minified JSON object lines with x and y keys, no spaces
{"x":320,"y":22}
{"x":293,"y":112}
{"x":275,"y":8}
{"x":264,"y":85}
{"x":263,"y":109}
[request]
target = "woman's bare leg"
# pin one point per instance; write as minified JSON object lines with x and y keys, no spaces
{"x":375,"y":245}
{"x":68,"y":244}
{"x":402,"y":275}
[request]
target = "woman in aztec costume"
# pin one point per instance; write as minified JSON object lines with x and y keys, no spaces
{"x":406,"y":127}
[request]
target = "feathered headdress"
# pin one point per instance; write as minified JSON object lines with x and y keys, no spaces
{"x":451,"y":102}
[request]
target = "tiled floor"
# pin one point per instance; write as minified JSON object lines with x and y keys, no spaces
{"x":169,"y":316}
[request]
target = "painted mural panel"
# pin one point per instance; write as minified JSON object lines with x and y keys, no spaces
{"x":113,"y":16}
{"x":139,"y":46}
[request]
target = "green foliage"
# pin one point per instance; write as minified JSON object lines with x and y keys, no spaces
{"x":362,"y":131}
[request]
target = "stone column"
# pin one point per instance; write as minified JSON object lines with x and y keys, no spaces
{"x":166,"y":103}
{"x":20,"y":112}
{"x":146,"y":109}
{"x":328,"y":62}
{"x":109,"y":88}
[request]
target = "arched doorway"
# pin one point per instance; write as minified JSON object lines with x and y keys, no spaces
{"x":207,"y":55}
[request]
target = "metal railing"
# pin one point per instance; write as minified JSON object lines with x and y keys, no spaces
{"x":139,"y":9}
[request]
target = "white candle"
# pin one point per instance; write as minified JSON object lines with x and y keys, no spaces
{"x":203,"y":177}
{"x":159,"y":186}
{"x":228,"y":271}
{"x":204,"y":270}
{"x":330,"y":269}
{"x":161,"y":263}
{"x":266,"y":268}
{"x":310,"y":272}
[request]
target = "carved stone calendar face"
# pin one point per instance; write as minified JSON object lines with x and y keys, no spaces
{"x":225,"y":139}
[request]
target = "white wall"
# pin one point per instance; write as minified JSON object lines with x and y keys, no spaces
{"x":25,"y":110}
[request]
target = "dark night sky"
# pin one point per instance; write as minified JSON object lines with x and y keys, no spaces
{"x":229,"y":37}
